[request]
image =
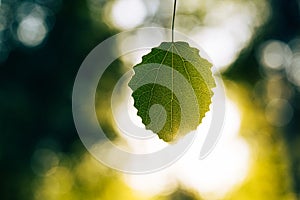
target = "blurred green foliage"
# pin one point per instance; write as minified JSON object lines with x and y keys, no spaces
{"x":40,"y":153}
{"x":270,"y":174}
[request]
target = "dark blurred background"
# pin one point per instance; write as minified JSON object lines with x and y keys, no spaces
{"x":43,"y":43}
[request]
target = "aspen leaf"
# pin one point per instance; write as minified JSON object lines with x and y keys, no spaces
{"x":172,"y":89}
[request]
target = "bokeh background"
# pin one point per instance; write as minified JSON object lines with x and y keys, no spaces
{"x":254,"y":43}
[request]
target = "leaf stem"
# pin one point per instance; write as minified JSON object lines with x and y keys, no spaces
{"x":173,"y":20}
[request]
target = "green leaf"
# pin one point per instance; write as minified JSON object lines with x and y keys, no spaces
{"x":172,"y":89}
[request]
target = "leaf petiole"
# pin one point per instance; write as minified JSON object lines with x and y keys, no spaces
{"x":173,"y":20}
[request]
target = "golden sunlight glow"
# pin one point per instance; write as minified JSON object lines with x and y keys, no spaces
{"x":225,"y":167}
{"x":212,"y":177}
{"x":225,"y":29}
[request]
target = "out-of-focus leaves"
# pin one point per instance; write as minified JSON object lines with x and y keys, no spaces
{"x":269,"y":169}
